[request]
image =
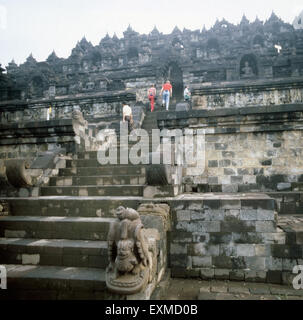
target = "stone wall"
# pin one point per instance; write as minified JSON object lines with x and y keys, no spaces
{"x":93,"y":106}
{"x":231,"y":238}
{"x":254,"y":93}
{"x":247,"y":149}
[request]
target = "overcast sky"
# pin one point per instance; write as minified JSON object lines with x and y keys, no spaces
{"x":39,"y":26}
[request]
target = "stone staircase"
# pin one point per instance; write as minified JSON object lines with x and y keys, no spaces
{"x":54,"y":246}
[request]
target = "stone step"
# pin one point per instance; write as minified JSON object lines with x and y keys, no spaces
{"x":98,"y":180}
{"x":103,"y":170}
{"x":54,"y":283}
{"x":56,"y":252}
{"x":84,"y":163}
{"x":31,"y":227}
{"x":70,"y":206}
{"x":91,"y":155}
{"x":91,"y":191}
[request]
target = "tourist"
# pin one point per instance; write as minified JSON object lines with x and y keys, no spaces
{"x":127,"y":115}
{"x":151,"y":96}
{"x":48,"y":113}
{"x":187,"y":94}
{"x":167,"y":93}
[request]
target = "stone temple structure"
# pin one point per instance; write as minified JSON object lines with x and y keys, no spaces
{"x":73,"y":228}
{"x":298,"y":22}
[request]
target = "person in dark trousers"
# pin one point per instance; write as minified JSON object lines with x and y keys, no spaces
{"x":127,"y":115}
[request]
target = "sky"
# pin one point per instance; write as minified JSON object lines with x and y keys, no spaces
{"x":41,"y":26}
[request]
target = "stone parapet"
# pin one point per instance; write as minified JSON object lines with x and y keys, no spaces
{"x":247,"y":149}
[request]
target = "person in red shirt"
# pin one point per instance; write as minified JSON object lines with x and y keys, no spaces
{"x":167,"y":93}
{"x":151,"y":96}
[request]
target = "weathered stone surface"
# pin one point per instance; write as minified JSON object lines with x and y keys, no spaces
{"x":132,"y":256}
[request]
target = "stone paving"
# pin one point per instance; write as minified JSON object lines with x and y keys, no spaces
{"x":190,"y":289}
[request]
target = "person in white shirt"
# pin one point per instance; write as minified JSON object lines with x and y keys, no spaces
{"x":127,"y":114}
{"x":187,"y":94}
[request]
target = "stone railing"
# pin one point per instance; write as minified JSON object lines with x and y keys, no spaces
{"x":92,"y":106}
{"x":247,"y":93}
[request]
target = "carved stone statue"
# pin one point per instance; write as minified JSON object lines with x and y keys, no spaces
{"x":131,"y":262}
{"x":247,"y":70}
{"x":78,"y":116}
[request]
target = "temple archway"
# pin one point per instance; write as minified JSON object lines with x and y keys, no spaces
{"x":36,"y":86}
{"x":174,"y":74}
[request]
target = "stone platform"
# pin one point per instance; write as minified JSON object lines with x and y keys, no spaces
{"x":189,"y":289}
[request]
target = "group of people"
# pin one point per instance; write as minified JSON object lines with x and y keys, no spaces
{"x":166,"y":94}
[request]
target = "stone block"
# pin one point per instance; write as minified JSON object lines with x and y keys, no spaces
{"x":202,"y":249}
{"x":177,"y":249}
{"x":236,"y":179}
{"x":183,"y":215}
{"x":177,"y":272}
{"x":223,"y":262}
{"x":202,"y":262}
{"x":246,"y":238}
{"x":197,"y":206}
{"x":224,"y":163}
{"x":235,"y":213}
{"x":233,"y":224}
{"x":179,"y":260}
{"x":237,"y":275}
{"x":198,"y":215}
{"x":222,"y":274}
{"x":245,"y":250}
{"x":229,"y":172}
{"x":287,"y":278}
{"x":230,"y":204}
{"x":249,"y":180}
{"x":212,"y":204}
{"x":220,"y":238}
{"x":199,"y":226}
{"x":207,"y":273}
{"x":210,"y":226}
{"x":273,"y":238}
{"x":182,"y":237}
{"x":221,"y":146}
{"x":214,"y":215}
{"x":248,"y":214}
{"x":230,"y":188}
{"x":200,"y":237}
{"x":289,"y":264}
{"x":228,"y":250}
{"x":265,"y":215}
{"x":212,"y":164}
{"x":238,"y":263}
{"x":255,"y":263}
{"x":255,"y":276}
{"x":31,"y":259}
{"x":273,"y":263}
{"x":265,"y":226}
{"x":284,"y":186}
{"x":266,"y":204}
{"x":262,"y":250}
{"x":287,"y":251}
{"x":274,"y":277}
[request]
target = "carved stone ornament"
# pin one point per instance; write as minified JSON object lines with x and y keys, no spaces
{"x":17,"y":174}
{"x":131,"y":265}
{"x":77,"y":116}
